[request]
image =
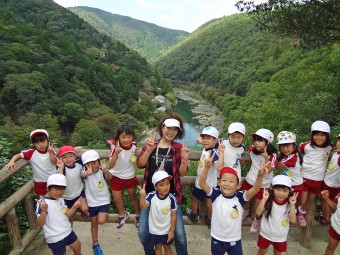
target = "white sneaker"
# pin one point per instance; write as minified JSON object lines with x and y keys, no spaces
{"x":245,"y":213}
{"x":301,"y":220}
{"x":122,"y":219}
{"x":255,"y":226}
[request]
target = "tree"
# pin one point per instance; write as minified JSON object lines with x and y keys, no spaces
{"x":315,"y":23}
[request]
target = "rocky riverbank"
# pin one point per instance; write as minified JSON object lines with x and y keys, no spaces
{"x":205,"y":113}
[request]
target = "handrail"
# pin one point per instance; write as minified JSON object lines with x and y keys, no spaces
{"x":20,"y":244}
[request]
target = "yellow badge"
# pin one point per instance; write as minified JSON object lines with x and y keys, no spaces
{"x":284,"y":223}
{"x":63,"y":209}
{"x":133,"y":159}
{"x":201,"y":163}
{"x":101,"y":185}
{"x":234,"y":214}
{"x":331,"y":166}
{"x":165,"y":210}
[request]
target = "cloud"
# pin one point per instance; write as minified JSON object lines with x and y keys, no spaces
{"x":150,"y":5}
{"x":67,"y":3}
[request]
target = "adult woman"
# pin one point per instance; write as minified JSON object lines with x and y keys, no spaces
{"x":165,"y":155}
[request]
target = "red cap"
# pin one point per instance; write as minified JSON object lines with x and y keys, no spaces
{"x":66,"y":149}
{"x":228,"y":170}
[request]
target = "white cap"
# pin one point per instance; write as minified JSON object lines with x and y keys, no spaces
{"x":285,"y":137}
{"x":172,"y":123}
{"x":236,"y":127}
{"x":38,"y":132}
{"x":89,"y":156}
{"x":160,"y":175}
{"x":56,"y":179}
{"x":338,"y":136}
{"x":264,"y":133}
{"x":210,"y":131}
{"x":282,"y":180}
{"x":321,"y":126}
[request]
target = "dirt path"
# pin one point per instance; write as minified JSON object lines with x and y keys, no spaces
{"x":125,"y":241}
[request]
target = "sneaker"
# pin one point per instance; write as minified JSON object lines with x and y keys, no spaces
{"x":322,"y":220}
{"x":97,"y":250}
{"x":208,"y":221}
{"x":301,"y":220}
{"x":245,"y":214}
{"x":255,"y":226}
{"x":192,"y":216}
{"x":122,"y":219}
{"x":137,"y":221}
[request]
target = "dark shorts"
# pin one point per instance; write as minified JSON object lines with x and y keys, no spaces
{"x":59,"y":248}
{"x":264,"y":243}
{"x":71,"y":202}
{"x":40,"y":188}
{"x":247,"y":186}
{"x":332,"y":233}
{"x":231,"y":248}
{"x":93,"y":211}
{"x":312,"y":186}
{"x":199,"y":194}
{"x":118,"y":184}
{"x":156,"y":239}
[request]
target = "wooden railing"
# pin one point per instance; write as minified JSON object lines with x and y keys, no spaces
{"x":20,"y":243}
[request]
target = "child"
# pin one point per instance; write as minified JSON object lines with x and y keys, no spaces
{"x":334,"y":228}
{"x":231,"y":149}
{"x":227,"y":202}
{"x":209,"y":138}
{"x":97,"y":193}
{"x":71,"y":168}
{"x":42,"y":158}
{"x":121,"y":166}
{"x":162,"y":216}
{"x":331,"y":183}
{"x":53,"y":216}
{"x":262,"y":150}
{"x":289,"y":160}
{"x":316,"y":153}
{"x":278,"y":212}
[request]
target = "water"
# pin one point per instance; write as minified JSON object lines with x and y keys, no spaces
{"x":191,"y":132}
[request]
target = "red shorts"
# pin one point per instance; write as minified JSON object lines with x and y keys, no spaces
{"x":332,"y":191}
{"x":299,"y":189}
{"x":118,"y":184}
{"x":40,"y":188}
{"x":263,"y":243}
{"x":332,"y":233}
{"x":312,"y":186}
{"x":247,"y":186}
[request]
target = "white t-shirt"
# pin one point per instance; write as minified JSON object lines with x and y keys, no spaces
{"x":292,"y":169}
{"x":74,"y":182}
{"x":255,"y":166}
{"x":57,"y":225}
{"x":226,"y":220}
{"x":335,"y":218}
{"x":160,"y":212}
{"x":332,"y":175}
{"x":275,"y":227}
{"x":314,"y":161}
{"x":124,"y":168}
{"x":41,"y":164}
{"x":96,"y":189}
{"x":212,"y":173}
{"x":232,"y":156}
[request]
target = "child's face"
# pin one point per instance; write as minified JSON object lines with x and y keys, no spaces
{"x":56,"y":192}
{"x":41,"y":145}
{"x":287,"y":148}
{"x":281,"y":194}
{"x":319,"y":139}
{"x":338,"y":146}
{"x":94,"y":165}
{"x":163,"y":187}
{"x":125,"y":140}
{"x":236,"y":139}
{"x":208,"y":141}
{"x":169,"y":133}
{"x":68,"y":159}
{"x":260,"y":145}
{"x":228,"y":183}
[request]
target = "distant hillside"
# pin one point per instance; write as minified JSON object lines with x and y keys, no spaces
{"x":148,"y":39}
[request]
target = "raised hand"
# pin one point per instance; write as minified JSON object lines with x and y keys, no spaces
{"x":208,"y":160}
{"x":221,"y":146}
{"x":185,"y":150}
{"x":60,"y":163}
{"x":142,"y":192}
{"x":293,"y":199}
{"x":89,"y":169}
{"x":198,"y":140}
{"x":42,"y":204}
{"x":325,"y":194}
{"x":50,"y":147}
{"x":265,"y":153}
{"x":263,"y":168}
{"x":104,"y":167}
{"x":118,"y":149}
{"x":265,"y":195}
{"x":150,"y":143}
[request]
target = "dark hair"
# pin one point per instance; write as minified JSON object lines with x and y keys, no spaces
{"x":39,"y":138}
{"x":125,"y":129}
{"x":270,"y":147}
{"x":172,"y":115}
{"x":270,"y":201}
{"x":281,"y":156}
{"x":326,"y":143}
{"x":55,"y":186}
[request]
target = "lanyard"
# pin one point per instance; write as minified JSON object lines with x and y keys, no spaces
{"x":161,"y":167}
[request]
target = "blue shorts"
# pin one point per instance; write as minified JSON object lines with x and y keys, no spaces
{"x":71,"y":202}
{"x":99,"y":209}
{"x":156,"y":239}
{"x":231,"y":248}
{"x":59,"y":248}
{"x":199,"y":194}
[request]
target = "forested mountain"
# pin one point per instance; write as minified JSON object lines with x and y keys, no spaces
{"x":258,"y":78}
{"x":148,"y":39}
{"x":59,"y":73}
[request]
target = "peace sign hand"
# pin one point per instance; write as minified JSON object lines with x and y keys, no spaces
{"x":208,"y":160}
{"x":293,"y":199}
{"x":185,"y":150}
{"x":142,"y":192}
{"x":118,"y":149}
{"x":265,"y":195}
{"x":150,"y":143}
{"x":60,"y":163}
{"x":89,"y":169}
{"x":221,"y":146}
{"x":42,"y":204}
{"x":263,"y":168}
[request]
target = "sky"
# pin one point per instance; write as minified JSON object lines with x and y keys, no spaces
{"x":185,"y":15}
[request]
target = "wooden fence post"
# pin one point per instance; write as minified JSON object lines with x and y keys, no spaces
{"x":29,"y":208}
{"x":306,"y":232}
{"x":13,"y":228}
